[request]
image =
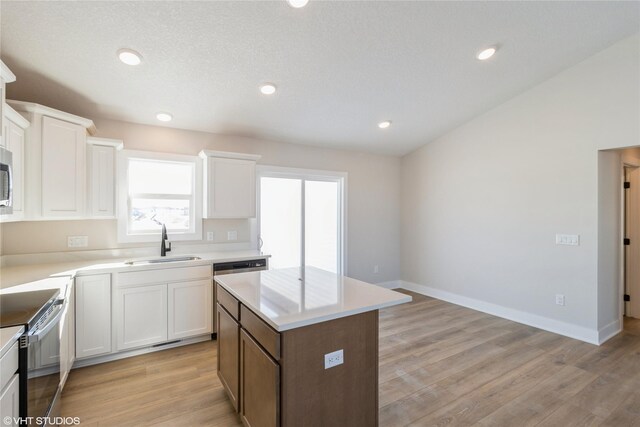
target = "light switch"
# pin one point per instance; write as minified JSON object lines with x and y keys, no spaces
{"x":568,"y":239}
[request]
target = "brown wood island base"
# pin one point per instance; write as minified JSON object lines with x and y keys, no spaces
{"x":345,"y":395}
{"x":281,"y":378}
{"x":287,"y":384}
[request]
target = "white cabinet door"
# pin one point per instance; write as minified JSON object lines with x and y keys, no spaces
{"x":15,"y":144}
{"x":9,"y":402}
{"x":102,"y":180}
{"x":93,"y":315}
{"x":63,"y":168}
{"x":49,"y":352}
{"x":67,"y":337}
{"x":64,"y":347}
{"x":141,"y":316}
{"x":230,"y":188}
{"x":190,"y":308}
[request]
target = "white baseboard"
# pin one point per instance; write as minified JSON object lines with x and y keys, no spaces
{"x":556,"y":326}
{"x":392,"y":284}
{"x":609,"y":331}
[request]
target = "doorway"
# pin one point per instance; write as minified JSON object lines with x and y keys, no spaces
{"x":301,"y":217}
{"x":631,"y":237}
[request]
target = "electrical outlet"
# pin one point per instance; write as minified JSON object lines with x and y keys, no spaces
{"x":77,"y":241}
{"x":210,"y":235}
{"x":376,"y":269}
{"x":560,"y":299}
{"x":333,"y":359}
{"x":232,"y":235}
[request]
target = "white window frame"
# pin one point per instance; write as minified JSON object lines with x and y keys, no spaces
{"x":311,"y":175}
{"x":124,"y":235}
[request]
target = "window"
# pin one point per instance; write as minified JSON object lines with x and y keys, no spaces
{"x":155,"y":189}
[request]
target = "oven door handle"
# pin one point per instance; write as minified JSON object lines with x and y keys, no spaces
{"x":45,"y":329}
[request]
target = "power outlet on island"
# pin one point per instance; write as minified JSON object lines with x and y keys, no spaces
{"x":333,"y":359}
{"x":560,"y":299}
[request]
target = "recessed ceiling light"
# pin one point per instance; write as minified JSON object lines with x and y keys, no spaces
{"x":129,"y":57}
{"x":487,"y":53}
{"x":164,"y":117}
{"x":384,"y":125}
{"x":268,"y":89}
{"x":298,"y":3}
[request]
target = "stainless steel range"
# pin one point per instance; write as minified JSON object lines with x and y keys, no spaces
{"x":39,"y":365}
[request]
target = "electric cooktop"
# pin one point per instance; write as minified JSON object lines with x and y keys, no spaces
{"x":25,"y":308}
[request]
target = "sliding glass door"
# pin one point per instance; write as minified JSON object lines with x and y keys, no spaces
{"x":301,"y":218}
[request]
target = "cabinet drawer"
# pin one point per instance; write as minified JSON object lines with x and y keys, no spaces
{"x":164,"y":275}
{"x":261,"y":332}
{"x":8,"y":365}
{"x":228,"y":301}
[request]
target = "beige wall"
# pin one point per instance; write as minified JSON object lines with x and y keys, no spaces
{"x":373,"y":201}
{"x":482,"y":204}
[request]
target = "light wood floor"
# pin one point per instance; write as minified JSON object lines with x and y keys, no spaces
{"x":440,"y":364}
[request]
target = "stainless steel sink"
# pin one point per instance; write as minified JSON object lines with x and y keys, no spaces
{"x":162,"y":260}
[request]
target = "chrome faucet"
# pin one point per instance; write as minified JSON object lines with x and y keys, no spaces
{"x":165,"y":244}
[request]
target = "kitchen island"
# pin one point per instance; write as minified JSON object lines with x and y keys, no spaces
{"x":299,"y":346}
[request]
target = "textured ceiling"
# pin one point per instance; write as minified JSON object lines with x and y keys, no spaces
{"x":340,"y":67}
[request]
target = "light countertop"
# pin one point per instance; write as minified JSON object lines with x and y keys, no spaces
{"x":293,"y":297}
{"x":39,"y":285}
{"x":40,"y":273}
{"x":8,"y":336}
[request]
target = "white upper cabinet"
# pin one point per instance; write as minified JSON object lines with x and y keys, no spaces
{"x":6,"y":76}
{"x":64,"y":152}
{"x":55,"y":161}
{"x":229,"y":184}
{"x":101,"y":162}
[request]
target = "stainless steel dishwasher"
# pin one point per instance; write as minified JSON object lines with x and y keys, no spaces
{"x":239,"y":266}
{"x":231,"y":268}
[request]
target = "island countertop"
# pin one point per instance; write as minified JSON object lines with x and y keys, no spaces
{"x":290,"y":298}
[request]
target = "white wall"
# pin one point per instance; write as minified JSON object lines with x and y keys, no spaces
{"x":373,"y":197}
{"x":610,"y":178}
{"x":481,"y":205}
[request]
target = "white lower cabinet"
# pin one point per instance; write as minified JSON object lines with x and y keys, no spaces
{"x":133,"y":310}
{"x":190,"y":308}
{"x":141,"y":316}
{"x":9,"y":386}
{"x":49,"y":353}
{"x":9,"y":402}
{"x":67,"y":336}
{"x":93,"y":315}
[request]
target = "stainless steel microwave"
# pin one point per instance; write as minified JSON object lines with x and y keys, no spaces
{"x":6,"y":182}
